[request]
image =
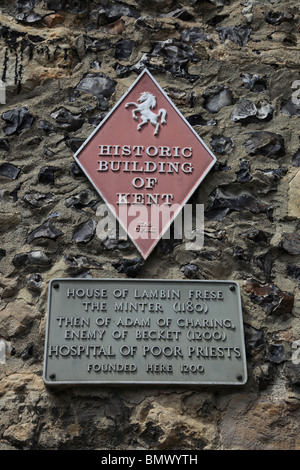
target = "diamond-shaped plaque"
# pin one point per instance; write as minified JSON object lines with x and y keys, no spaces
{"x":145,"y":160}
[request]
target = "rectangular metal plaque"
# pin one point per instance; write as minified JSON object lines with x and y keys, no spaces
{"x":119,"y":331}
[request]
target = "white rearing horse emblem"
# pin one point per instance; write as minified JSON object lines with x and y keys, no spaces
{"x":147,"y":102}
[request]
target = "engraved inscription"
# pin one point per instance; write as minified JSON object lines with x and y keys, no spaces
{"x":133,"y":330}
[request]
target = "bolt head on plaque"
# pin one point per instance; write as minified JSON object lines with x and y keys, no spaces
{"x":145,"y":160}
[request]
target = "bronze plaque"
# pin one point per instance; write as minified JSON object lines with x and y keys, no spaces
{"x":118,"y":331}
{"x":145,"y":160}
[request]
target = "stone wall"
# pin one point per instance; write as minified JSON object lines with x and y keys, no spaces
{"x":230,"y":68}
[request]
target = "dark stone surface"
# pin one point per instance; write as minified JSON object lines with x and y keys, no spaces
{"x":31,"y":258}
{"x":275,"y":353}
{"x":18,"y":120}
{"x":100,"y":86}
{"x":85,"y":232}
{"x":9,"y":170}
{"x":131,"y":267}
{"x":222,"y":145}
{"x":290,"y":242}
{"x":36,"y":199}
{"x":265,"y":143}
{"x":46,"y":230}
{"x":270,"y":297}
{"x":216,"y":98}
{"x":239,"y":34}
{"x":65,"y":120}
{"x":222,"y":203}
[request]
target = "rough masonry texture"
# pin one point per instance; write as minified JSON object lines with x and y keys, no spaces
{"x":232,"y":69}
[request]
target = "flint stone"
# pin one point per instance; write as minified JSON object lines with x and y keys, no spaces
{"x":278,"y":17}
{"x":276,"y":173}
{"x":198,"y":120}
{"x":9,"y":170}
{"x":218,"y":166}
{"x":95,"y":64}
{"x":117,"y":27}
{"x":145,"y":61}
{"x":265,"y":143}
{"x":85,"y":198}
{"x":222,"y":145}
{"x":216,"y":98}
{"x":290,"y":242}
{"x":290,"y":109}
{"x":115,"y":244}
{"x":264,"y":110}
{"x":167,"y":245}
{"x":270,"y":297}
{"x":46,"y":126}
{"x":81,"y":262}
{"x":96,"y":44}
{"x":131,"y":267}
{"x":27,"y":353}
{"x":36,"y":199}
{"x":25,"y":6}
{"x":157,"y":5}
{"x":238,"y":34}
{"x":296,"y":159}
{"x":264,"y":262}
{"x":100,"y":86}
{"x":254,"y":83}
{"x":264,"y":374}
{"x":180,"y":13}
{"x":195,"y":35}
{"x":254,"y":339}
{"x":294,"y":272}
{"x":57,"y":4}
{"x":181,"y":97}
{"x":176,"y":55}
{"x":4,"y":145}
{"x":123,"y":49}
{"x":75,"y":143}
{"x":33,"y":258}
{"x":74,"y":6}
{"x":47,"y":175}
{"x":29,"y":18}
{"x":191,"y":271}
{"x":53,"y":19}
{"x":113,"y":12}
{"x":35,"y":282}
{"x":18,"y":120}
{"x":174,"y":52}
{"x":95,"y":120}
{"x":255,"y":235}
{"x":64,"y":119}
{"x":46,"y":230}
{"x":223,"y":203}
{"x":292,"y":373}
{"x":75,"y":170}
{"x":246,"y":111}
{"x":243,"y":175}
{"x":248,"y":12}
{"x":275,"y":353}
{"x":85,"y":232}
{"x":239,"y":253}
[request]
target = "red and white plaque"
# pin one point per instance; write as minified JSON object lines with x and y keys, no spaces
{"x":145,"y":160}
